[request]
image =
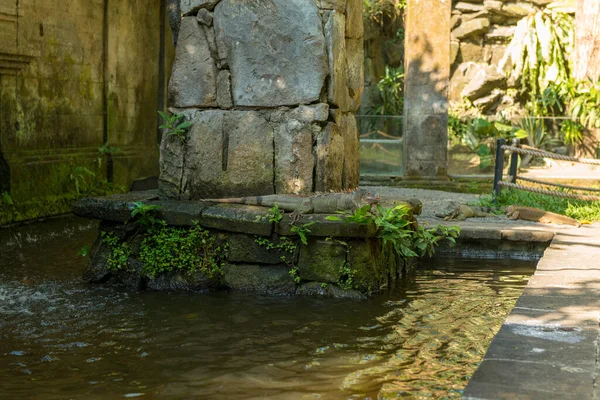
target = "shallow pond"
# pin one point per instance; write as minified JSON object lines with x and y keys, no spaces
{"x":61,"y":338}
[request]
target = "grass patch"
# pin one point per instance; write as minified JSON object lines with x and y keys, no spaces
{"x":580,"y":210}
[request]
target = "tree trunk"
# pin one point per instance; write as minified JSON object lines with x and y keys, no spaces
{"x":586,"y":63}
{"x":587,"y":40}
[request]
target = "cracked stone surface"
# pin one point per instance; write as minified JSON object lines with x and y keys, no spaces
{"x":273,"y":61}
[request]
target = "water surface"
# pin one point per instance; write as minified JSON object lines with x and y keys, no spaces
{"x":61,"y":338}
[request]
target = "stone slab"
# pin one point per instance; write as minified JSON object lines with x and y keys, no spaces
{"x":194,"y":78}
{"x":500,"y":378}
{"x":251,"y":220}
{"x":273,"y":61}
{"x":545,"y":344}
{"x":271,"y":280}
{"x":490,"y":391}
{"x":322,"y":261}
{"x":245,"y":249}
{"x":317,"y":289}
{"x":180,"y":213}
{"x":324,"y":228}
{"x":227,"y":154}
{"x":548,"y":345}
{"x":115,"y":208}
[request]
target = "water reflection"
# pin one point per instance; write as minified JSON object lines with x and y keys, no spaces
{"x":61,"y":338}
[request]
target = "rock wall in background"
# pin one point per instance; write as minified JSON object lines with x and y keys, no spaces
{"x":481,"y":32}
{"x":271,"y":87}
{"x":383,"y":46}
{"x":75,"y":76}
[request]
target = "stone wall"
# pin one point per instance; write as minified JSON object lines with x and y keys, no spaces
{"x":341,"y":259}
{"x":271,"y":88}
{"x":481,"y":31}
{"x":383,"y":46}
{"x":73,"y":76}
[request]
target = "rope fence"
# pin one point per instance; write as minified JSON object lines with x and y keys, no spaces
{"x":531,"y":151}
{"x":515,"y":150}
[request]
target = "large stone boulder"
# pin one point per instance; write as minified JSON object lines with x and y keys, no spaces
{"x":482,"y":80}
{"x":239,"y":143}
{"x":472,"y":28}
{"x":194,"y":79}
{"x":265,"y":279}
{"x":275,"y":50}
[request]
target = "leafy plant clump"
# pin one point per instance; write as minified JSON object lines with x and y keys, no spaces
{"x":168,"y":249}
{"x":540,"y":49}
{"x":302,"y":231}
{"x":347,"y":278}
{"x":395,"y":228}
{"x":275,"y":214}
{"x":378,"y":10}
{"x":173,"y":125}
{"x":143,"y":214}
{"x":118,"y":260}
{"x":391,"y":90}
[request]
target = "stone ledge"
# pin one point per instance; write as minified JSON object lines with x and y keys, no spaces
{"x":114,"y":208}
{"x":237,"y":218}
{"x":324,"y":228}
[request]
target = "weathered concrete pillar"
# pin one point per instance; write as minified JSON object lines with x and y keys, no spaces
{"x":271,"y":87}
{"x":427,"y":58}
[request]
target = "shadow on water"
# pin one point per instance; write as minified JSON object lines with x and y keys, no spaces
{"x":61,"y":338}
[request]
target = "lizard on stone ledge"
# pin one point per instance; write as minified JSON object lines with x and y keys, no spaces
{"x":464,"y":211}
{"x":318,"y":203}
{"x":539,"y":215}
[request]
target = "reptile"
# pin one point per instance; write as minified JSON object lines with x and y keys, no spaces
{"x":464,"y":211}
{"x":318,"y":203}
{"x":539,"y":215}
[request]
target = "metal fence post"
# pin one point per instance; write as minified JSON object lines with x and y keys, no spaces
{"x":514,"y":161}
{"x":499,"y":166}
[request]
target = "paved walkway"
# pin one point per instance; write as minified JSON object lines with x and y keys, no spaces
{"x":548,"y":347}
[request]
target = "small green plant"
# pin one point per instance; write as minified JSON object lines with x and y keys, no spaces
{"x":168,"y":249}
{"x":302,"y":231}
{"x":173,"y":125}
{"x":274,"y":214}
{"x":346,"y":280}
{"x":120,"y":252}
{"x":572,"y":132}
{"x":324,"y":285}
{"x":286,"y":245}
{"x":391,"y":90}
{"x":105,"y":150}
{"x":294,"y":273}
{"x":584,"y":103}
{"x":6,"y":198}
{"x":82,"y":178}
{"x":84,"y":251}
{"x":425,"y":240}
{"x":143,"y":214}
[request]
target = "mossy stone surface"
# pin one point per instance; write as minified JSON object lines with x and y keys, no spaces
{"x":265,"y":279}
{"x":245,"y":249}
{"x":321,"y":261}
{"x":318,"y":289}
